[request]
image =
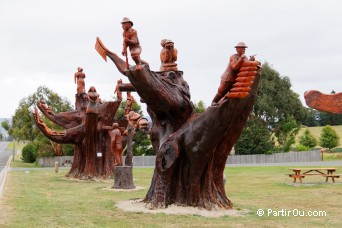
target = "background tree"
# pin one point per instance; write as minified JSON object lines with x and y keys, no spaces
{"x":312,"y":119}
{"x":255,"y":138}
{"x":279,"y":107}
{"x":328,"y":138}
{"x":307,"y":139}
{"x":142,"y":144}
{"x":286,"y":131}
{"x":120,"y":113}
{"x":7,"y":126}
{"x":331,"y":119}
{"x":23,"y":126}
{"x":199,"y":107}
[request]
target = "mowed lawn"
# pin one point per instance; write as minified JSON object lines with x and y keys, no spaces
{"x":42,"y":198}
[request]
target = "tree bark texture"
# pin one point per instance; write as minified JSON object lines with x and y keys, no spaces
{"x":85,"y":132}
{"x":123,"y":178}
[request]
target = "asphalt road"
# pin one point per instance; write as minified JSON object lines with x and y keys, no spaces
{"x":4,"y":155}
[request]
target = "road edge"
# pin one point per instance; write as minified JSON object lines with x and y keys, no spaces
{"x":4,"y":173}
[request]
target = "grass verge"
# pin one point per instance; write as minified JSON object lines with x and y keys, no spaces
{"x":42,"y":198}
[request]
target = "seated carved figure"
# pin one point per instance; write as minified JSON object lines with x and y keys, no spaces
{"x":137,"y":121}
{"x":168,"y":56}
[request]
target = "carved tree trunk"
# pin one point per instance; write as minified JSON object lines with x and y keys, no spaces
{"x":191,"y":149}
{"x":86,"y":133}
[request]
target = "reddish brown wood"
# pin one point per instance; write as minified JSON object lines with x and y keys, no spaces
{"x":86,"y":128}
{"x":191,"y":149}
{"x":324,"y":102}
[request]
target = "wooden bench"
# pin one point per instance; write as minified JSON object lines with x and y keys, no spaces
{"x":313,"y":172}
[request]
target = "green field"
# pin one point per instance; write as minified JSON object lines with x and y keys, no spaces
{"x":42,"y":198}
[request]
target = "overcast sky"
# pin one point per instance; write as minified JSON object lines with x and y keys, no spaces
{"x":43,"y":42}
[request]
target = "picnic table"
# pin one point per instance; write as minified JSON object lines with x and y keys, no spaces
{"x":303,"y":172}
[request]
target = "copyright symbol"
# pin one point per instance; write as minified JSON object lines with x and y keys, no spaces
{"x":260,"y":212}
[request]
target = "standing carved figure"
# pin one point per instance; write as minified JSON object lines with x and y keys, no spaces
{"x":79,"y":80}
{"x":228,"y":78}
{"x":93,"y":98}
{"x":168,"y":56}
{"x":117,"y":90}
{"x":90,"y":139}
{"x":116,"y":144}
{"x":130,"y":101}
{"x":130,"y":39}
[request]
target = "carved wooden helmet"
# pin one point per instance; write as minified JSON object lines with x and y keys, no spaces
{"x":241,"y":44}
{"x":125,"y":20}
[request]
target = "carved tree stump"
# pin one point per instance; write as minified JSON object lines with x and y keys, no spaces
{"x":123,"y":177}
{"x":84,"y":131}
{"x":191,"y":149}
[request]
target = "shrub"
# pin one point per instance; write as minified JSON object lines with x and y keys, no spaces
{"x":255,"y":139}
{"x":29,"y":153}
{"x":307,"y":139}
{"x":302,"y":148}
{"x":45,"y":150}
{"x":329,"y":138}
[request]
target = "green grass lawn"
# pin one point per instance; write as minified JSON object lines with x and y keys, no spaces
{"x":42,"y":198}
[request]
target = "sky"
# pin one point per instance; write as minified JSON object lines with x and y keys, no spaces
{"x":43,"y":42}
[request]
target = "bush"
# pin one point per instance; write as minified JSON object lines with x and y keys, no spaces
{"x":255,"y":139}
{"x":307,"y":139}
{"x":302,"y":148}
{"x":329,"y":138}
{"x":29,"y":153}
{"x":45,"y":150}
{"x":337,"y":150}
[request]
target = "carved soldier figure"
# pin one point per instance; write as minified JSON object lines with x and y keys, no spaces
{"x":79,"y":79}
{"x":116,"y":144}
{"x":168,"y":56}
{"x":130,"y":39}
{"x":229,"y":75}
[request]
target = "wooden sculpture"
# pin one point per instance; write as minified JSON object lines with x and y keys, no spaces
{"x":168,"y":56}
{"x":131,"y":41}
{"x":116,"y":143}
{"x":79,"y":80}
{"x":239,"y":75}
{"x":86,"y":128}
{"x":191,"y":149}
{"x":324,"y":102}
